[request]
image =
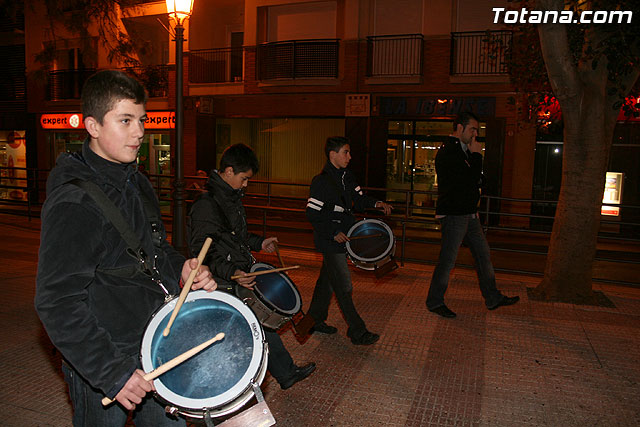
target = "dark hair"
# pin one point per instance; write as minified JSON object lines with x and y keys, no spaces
{"x":463,"y":119}
{"x":241,"y":158}
{"x":103,"y":90}
{"x":335,"y":143}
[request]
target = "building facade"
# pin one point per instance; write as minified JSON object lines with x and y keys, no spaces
{"x":283,"y":75}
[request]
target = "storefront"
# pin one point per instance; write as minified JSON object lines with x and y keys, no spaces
{"x":414,"y":128}
{"x":65,"y":133}
{"x":13,"y":154}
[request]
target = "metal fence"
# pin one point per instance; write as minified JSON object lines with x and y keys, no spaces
{"x":222,"y":65}
{"x":298,"y":59}
{"x":395,"y":55}
{"x":480,"y":52}
{"x":508,"y":219}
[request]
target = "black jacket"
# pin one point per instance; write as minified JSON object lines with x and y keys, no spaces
{"x":459,"y":179}
{"x":92,"y":296}
{"x":333,"y":195}
{"x":219,"y":214}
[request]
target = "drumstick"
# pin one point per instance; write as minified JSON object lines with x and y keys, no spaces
{"x":364,"y":237}
{"x":278,"y":252}
{"x":187,"y":286}
{"x":174,"y":362}
{"x":261,"y":272}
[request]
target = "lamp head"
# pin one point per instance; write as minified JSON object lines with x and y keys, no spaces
{"x":179,"y":10}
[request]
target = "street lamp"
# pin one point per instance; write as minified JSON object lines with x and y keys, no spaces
{"x":179,"y":11}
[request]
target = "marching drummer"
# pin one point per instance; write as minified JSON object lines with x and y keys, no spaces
{"x":94,"y":291}
{"x":218,"y":213}
{"x":334,"y":194}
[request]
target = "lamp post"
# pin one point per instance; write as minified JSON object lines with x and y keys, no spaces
{"x":179,"y":11}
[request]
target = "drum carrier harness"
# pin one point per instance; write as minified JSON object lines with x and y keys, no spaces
{"x":146,"y":264}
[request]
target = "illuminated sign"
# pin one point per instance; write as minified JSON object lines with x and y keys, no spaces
{"x":155,"y":120}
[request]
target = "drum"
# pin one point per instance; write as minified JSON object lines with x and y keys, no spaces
{"x":274,"y":299}
{"x":221,"y":378}
{"x":371,"y":245}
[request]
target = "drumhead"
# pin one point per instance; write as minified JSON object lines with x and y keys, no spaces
{"x":370,"y":249}
{"x":277,"y":290}
{"x":218,"y":374}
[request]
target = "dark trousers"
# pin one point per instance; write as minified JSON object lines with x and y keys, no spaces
{"x":280,"y":363}
{"x":457,"y":229}
{"x":335,"y":277}
{"x":88,"y":409}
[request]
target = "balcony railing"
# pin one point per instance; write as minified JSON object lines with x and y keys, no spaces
{"x":67,"y":84}
{"x":155,"y":79}
{"x":298,"y":59}
{"x":395,"y":55}
{"x":216,"y":65}
{"x":480,"y":52}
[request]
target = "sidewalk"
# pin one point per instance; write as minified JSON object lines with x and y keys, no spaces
{"x":531,"y":364}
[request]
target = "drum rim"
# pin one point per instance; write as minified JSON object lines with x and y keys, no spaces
{"x":386,"y":252}
{"x":265,"y":300}
{"x":250,"y":375}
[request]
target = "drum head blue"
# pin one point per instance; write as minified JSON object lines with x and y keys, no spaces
{"x":374,"y":241}
{"x":277,"y":290}
{"x":217,"y":374}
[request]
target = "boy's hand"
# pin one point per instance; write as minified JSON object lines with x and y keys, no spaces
{"x":246,"y":282}
{"x":341,"y":237}
{"x":203,"y":280}
{"x":386,"y":208}
{"x":268,"y":244}
{"x":134,"y":390}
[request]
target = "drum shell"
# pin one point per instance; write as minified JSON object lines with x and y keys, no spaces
{"x":268,"y":312}
{"x":367,"y":262}
{"x":218,"y":403}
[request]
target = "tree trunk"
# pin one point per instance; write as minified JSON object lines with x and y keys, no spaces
{"x":589,"y":119}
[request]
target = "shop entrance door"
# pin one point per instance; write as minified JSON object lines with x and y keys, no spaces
{"x":412,"y":146}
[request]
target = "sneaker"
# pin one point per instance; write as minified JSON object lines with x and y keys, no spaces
{"x":299,"y":373}
{"x":323,"y":328}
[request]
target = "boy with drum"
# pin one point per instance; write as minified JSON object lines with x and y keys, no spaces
{"x":94,"y":292}
{"x":219,"y":214}
{"x":333,"y":195}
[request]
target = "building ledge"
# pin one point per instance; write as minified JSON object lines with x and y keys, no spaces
{"x":299,"y":82}
{"x":479,"y":78}
{"x":228,"y":88}
{"x":393,"y":80}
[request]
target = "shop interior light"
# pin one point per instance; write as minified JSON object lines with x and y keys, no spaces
{"x":179,"y":10}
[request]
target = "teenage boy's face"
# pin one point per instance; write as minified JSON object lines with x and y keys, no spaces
{"x":236,"y":180}
{"x":340,"y":159}
{"x":119,"y":136}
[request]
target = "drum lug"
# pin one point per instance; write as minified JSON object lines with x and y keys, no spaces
{"x":171,"y":410}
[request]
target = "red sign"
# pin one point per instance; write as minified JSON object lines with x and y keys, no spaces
{"x":155,"y":120}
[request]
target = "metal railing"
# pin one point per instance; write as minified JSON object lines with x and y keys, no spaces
{"x":298,"y":59}
{"x":395,"y":55}
{"x":67,"y":84}
{"x":222,"y":65}
{"x":508,"y":220}
{"x":480,"y":52}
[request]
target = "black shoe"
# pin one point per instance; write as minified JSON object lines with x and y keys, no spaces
{"x":323,"y":328}
{"x":505,"y":301}
{"x":299,"y":373}
{"x":443,"y":311}
{"x":367,"y":338}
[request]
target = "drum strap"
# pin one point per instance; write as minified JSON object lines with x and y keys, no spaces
{"x":114,"y":215}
